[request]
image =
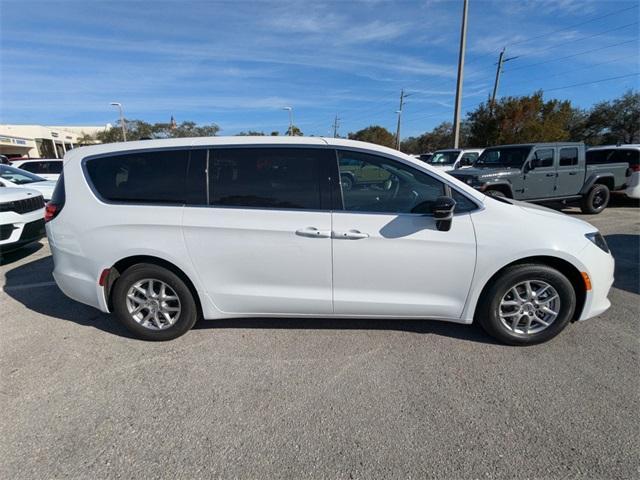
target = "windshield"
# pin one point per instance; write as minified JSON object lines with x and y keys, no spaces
{"x":17,"y":176}
{"x":444,"y":158}
{"x":510,"y":157}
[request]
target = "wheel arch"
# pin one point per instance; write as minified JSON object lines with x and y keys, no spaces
{"x":606,"y":179}
{"x":503,"y":187}
{"x":563,"y":266}
{"x":123,"y":264}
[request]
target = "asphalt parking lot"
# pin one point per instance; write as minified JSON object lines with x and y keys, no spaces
{"x":316,"y":398}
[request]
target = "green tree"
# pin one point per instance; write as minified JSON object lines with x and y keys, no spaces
{"x":375,"y":134}
{"x":141,"y":130}
{"x":610,"y":122}
{"x":520,"y":120}
{"x":296,"y":131}
{"x":438,"y":138}
{"x":251,"y":133}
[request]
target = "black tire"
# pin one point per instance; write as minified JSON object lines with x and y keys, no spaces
{"x":496,"y":193}
{"x":346,"y":182}
{"x":188,"y":308}
{"x":596,"y":200}
{"x":487,"y":313}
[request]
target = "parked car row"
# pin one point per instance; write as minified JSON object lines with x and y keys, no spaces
{"x":544,"y":172}
{"x":161,"y":233}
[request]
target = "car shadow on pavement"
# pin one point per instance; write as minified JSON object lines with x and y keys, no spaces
{"x":626,"y":250}
{"x":14,"y":256}
{"x":472,"y":333}
{"x":31,"y":285}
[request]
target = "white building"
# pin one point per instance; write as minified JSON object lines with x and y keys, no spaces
{"x":39,"y":141}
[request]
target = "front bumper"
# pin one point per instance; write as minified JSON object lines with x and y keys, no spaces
{"x":21,"y":229}
{"x":601,"y":270}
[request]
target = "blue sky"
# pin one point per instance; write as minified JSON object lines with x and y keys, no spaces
{"x":238,"y":63}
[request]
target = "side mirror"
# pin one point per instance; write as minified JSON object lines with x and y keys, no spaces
{"x":443,"y":212}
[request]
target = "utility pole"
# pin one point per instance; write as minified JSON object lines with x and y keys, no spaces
{"x":290,"y":109}
{"x":122,"y":121}
{"x":463,"y":46}
{"x":399,"y":112}
{"x":501,"y":61}
{"x":335,"y":126}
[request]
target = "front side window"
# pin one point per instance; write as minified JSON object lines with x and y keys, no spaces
{"x":503,"y":157}
{"x":382,"y":185}
{"x":568,"y":157}
{"x":444,"y":158}
{"x":281,"y":178}
{"x":33,"y":167}
{"x":543,"y":158}
{"x":141,"y":177}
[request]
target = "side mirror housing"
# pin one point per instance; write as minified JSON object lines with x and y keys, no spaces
{"x":443,"y":212}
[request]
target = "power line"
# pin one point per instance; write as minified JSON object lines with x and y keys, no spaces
{"x":526,"y":40}
{"x":589,"y":83}
{"x":570,"y":56}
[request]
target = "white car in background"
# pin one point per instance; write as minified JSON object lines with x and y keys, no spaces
{"x":630,"y":154}
{"x":47,"y":168}
{"x":15,"y":177}
{"x":21,"y":218}
{"x":454,"y":158}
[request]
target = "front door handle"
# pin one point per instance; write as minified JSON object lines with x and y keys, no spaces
{"x":573,"y":173}
{"x":313,"y":232}
{"x":551,"y":174}
{"x":350,"y":235}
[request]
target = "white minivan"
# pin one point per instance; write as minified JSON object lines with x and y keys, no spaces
{"x":164,"y":232}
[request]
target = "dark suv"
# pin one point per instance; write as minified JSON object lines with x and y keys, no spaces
{"x":540,"y":172}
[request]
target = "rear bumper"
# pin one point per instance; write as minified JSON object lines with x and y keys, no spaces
{"x":76,"y":275}
{"x":633,"y":186}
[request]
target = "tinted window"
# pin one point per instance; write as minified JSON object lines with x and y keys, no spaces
{"x":595,"y":157}
{"x":288,"y":178}
{"x":141,"y":177}
{"x":33,"y":167}
{"x":196,"y":183}
{"x":18,"y":176}
{"x":444,"y":158}
{"x":568,"y":157}
{"x":377,"y":184}
{"x":510,"y":157}
{"x":468,"y":159}
{"x":48,"y":167}
{"x":632,"y":157}
{"x":544,"y":158}
{"x":463,"y":204}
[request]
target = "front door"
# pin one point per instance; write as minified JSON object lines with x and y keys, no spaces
{"x":540,"y":180}
{"x":263,"y":244}
{"x":389,"y":260}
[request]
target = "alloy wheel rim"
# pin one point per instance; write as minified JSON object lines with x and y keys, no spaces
{"x":529,"y":307}
{"x":153,"y":304}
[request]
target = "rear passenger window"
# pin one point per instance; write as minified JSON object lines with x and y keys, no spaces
{"x":568,"y":157}
{"x":286,"y":178}
{"x":33,"y":167}
{"x":632,"y":157}
{"x":597,"y":157}
{"x":141,"y":177}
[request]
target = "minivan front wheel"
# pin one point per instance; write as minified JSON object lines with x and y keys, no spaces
{"x":527,"y":304}
{"x":153,"y":303}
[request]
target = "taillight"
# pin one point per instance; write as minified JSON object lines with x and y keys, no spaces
{"x":635,"y":168}
{"x":51,"y":211}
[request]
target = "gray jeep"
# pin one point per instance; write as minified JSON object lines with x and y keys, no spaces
{"x":543,"y":172}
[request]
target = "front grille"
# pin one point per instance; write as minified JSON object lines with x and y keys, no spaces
{"x":23,"y":206}
{"x":33,"y":230}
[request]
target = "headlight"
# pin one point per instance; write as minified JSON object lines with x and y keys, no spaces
{"x":470,"y":181}
{"x":598,"y":240}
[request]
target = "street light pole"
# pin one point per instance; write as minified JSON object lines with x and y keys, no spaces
{"x":122,"y":123}
{"x":463,"y":45}
{"x":290,"y":109}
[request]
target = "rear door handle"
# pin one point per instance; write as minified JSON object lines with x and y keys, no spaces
{"x":551,"y":174}
{"x":350,"y":235}
{"x":573,"y":173}
{"x":313,"y":232}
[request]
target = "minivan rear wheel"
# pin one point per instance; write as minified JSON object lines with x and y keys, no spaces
{"x":527,"y":304}
{"x":153,"y":303}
